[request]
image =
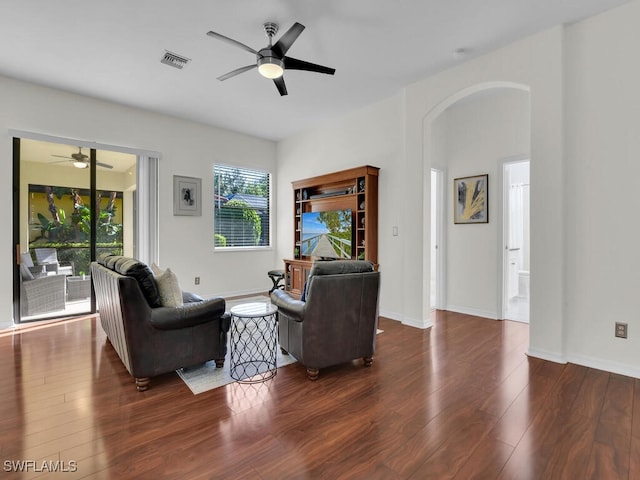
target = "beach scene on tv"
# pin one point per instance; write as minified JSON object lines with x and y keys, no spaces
{"x":326,"y":234}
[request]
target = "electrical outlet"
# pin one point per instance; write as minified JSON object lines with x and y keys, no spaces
{"x":197,"y":280}
{"x":621,"y":330}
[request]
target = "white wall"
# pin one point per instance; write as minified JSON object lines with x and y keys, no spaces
{"x":583,"y":82}
{"x":602,"y":274}
{"x":480,"y":131}
{"x":533,"y":64}
{"x":372,"y":136}
{"x":583,"y":79}
{"x":393,"y":135}
{"x":186,"y":148}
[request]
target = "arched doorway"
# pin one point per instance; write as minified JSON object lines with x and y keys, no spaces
{"x":485,"y":298}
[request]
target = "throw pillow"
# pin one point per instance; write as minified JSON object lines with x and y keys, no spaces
{"x":141,"y":272}
{"x":169,"y":289}
{"x":156,"y":269}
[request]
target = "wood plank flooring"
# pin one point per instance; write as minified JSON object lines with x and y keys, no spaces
{"x":458,"y":401}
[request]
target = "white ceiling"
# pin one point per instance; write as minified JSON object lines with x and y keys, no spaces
{"x":112,"y":50}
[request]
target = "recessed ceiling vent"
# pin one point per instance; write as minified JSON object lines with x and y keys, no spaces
{"x":174,"y":60}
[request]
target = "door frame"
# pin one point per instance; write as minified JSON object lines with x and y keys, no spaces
{"x":147,"y":202}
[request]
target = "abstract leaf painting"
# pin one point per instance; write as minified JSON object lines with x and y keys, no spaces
{"x":471,"y":199}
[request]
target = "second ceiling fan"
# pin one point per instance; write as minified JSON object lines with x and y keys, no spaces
{"x":272,"y":61}
{"x":80,"y":160}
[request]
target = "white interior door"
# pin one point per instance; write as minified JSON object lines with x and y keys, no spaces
{"x":515,"y":244}
{"x":437,"y":240}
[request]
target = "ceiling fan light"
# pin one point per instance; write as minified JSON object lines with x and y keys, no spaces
{"x":80,"y":164}
{"x":270,"y":67}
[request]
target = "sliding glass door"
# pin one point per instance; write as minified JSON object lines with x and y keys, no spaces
{"x":71,"y":204}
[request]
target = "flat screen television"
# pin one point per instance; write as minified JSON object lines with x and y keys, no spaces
{"x":328,"y":234}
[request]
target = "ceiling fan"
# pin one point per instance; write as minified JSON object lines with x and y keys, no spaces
{"x":271,"y":60}
{"x":80,"y":160}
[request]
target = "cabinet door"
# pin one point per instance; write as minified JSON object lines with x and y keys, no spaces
{"x":297,"y":279}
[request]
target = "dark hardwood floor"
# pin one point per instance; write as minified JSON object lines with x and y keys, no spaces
{"x":460,"y":400}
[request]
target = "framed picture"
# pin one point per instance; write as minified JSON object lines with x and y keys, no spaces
{"x":187,"y":196}
{"x":471,"y":199}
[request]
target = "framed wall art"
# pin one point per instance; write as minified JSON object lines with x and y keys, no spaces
{"x":187,"y":196}
{"x":471,"y":199}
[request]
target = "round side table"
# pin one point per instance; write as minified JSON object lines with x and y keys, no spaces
{"x":253,"y":342}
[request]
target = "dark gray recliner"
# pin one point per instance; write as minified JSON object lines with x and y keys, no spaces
{"x":151,"y":339}
{"x":336,"y":319}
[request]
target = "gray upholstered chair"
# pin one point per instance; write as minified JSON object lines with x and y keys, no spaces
{"x":42,"y":295}
{"x":336,"y":319}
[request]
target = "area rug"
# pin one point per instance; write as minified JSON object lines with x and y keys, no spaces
{"x":206,"y":377}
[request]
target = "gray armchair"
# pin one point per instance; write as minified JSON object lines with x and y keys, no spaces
{"x":42,"y":295}
{"x":336,"y":319}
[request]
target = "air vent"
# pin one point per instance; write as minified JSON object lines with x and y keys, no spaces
{"x":174,"y":59}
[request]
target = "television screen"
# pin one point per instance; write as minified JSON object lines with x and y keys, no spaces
{"x":327,"y":234}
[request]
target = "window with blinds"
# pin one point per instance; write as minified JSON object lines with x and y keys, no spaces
{"x":241,"y":207}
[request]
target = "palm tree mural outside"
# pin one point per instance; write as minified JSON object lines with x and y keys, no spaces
{"x":70,"y":233}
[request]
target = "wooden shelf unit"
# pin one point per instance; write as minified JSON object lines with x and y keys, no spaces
{"x":355,"y":189}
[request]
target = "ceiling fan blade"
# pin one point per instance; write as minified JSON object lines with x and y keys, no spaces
{"x":62,"y":156}
{"x":282,"y":88}
{"x":284,"y":43}
{"x":237,"y":71}
{"x":104,"y":165}
{"x":232,"y":42}
{"x":295,"y":64}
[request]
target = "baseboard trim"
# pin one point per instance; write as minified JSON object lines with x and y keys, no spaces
{"x":235,"y":294}
{"x":409,"y":322}
{"x":391,"y":315}
{"x":546,"y":355}
{"x":473,"y":311}
{"x":605,"y":365}
{"x":422,"y":325}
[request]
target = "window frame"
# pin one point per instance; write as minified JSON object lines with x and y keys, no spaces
{"x":268,"y":238}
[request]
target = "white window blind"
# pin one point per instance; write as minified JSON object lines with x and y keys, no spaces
{"x":241,"y":207}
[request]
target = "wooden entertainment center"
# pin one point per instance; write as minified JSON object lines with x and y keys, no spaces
{"x":355,"y":189}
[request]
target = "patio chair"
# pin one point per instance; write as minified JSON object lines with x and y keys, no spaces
{"x":43,"y":294}
{"x":48,"y":257}
{"x":27,"y":262}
